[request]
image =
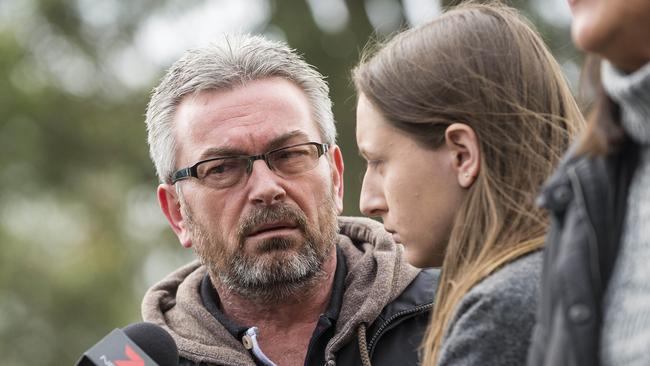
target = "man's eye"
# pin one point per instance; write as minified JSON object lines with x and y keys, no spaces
{"x":223,"y":167}
{"x":292,"y":154}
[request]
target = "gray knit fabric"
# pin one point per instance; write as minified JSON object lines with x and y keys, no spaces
{"x":625,"y":336}
{"x":494,"y":321}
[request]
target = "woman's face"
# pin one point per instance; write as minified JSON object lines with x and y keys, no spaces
{"x":618,"y":30}
{"x":414,"y":190}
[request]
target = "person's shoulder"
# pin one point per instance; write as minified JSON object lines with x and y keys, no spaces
{"x":420,"y":292}
{"x":517,"y":279}
{"x":493,"y":322}
{"x":520,"y":271}
{"x":513,"y":288}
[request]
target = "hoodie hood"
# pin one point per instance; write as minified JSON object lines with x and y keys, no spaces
{"x":377,"y":274}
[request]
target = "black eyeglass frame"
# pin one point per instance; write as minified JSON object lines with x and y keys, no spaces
{"x":191,"y":171}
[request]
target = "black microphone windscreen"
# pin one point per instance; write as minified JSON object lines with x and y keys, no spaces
{"x":155,"y":342}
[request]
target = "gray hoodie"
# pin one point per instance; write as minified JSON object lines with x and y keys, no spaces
{"x":377,"y":276}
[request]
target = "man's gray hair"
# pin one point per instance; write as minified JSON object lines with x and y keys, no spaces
{"x":225,"y":65}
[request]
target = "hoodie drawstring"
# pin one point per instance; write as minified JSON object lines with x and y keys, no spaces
{"x":250,"y":342}
{"x":363,"y":345}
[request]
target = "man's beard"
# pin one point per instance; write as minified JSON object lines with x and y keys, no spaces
{"x":263,"y":273}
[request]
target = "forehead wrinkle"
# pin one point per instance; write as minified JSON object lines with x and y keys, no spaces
{"x":248,"y":123}
{"x":242,"y":106}
{"x":241,"y":110}
{"x":242,"y":117}
{"x":230,"y":150}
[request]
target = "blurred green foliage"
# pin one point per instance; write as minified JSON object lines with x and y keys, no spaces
{"x":81,"y":235}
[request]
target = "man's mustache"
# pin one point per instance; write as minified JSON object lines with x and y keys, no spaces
{"x":270,"y":215}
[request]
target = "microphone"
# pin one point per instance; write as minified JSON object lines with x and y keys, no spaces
{"x":138,"y":344}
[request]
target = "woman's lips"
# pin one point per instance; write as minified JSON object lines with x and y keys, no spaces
{"x":394,"y":234}
{"x":396,"y":237}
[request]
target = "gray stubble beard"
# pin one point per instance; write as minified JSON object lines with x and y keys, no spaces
{"x":267,"y":278}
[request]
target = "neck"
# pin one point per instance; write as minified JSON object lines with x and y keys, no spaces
{"x":628,"y":51}
{"x":631,"y":92}
{"x":303,"y":307}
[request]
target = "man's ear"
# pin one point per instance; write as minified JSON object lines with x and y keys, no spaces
{"x":336,"y":164}
{"x":463,"y":143}
{"x":171,"y":207}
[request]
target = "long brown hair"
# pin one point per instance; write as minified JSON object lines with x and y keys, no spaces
{"x":482,"y":65}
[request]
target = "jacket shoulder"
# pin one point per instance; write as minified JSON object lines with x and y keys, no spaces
{"x":416,"y":300}
{"x":597,"y":172}
{"x":420,"y":292}
{"x":396,"y":335}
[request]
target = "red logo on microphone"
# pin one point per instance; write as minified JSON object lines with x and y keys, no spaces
{"x":134,"y":358}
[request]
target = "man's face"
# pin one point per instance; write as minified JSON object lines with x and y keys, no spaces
{"x":266,"y":234}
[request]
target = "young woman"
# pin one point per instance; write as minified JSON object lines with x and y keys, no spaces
{"x":461,"y":121}
{"x":595,"y":303}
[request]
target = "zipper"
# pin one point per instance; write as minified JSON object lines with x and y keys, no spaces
{"x":384,"y":325}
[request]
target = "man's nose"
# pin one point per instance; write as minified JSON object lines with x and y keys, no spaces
{"x":265,"y":185}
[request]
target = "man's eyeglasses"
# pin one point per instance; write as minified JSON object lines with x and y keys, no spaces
{"x":224,"y":172}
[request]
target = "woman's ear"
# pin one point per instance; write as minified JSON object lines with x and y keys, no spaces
{"x":462,"y":142}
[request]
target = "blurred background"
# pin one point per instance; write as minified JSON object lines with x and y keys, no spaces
{"x":81,"y":234}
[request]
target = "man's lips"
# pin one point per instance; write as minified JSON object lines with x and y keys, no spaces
{"x":272,"y":228}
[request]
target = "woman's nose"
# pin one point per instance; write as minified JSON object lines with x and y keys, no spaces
{"x":372,"y":201}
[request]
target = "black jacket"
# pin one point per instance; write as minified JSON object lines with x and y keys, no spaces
{"x":395,"y":336}
{"x":587,"y":201}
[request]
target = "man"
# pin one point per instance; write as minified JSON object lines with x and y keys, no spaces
{"x":243,"y":139}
